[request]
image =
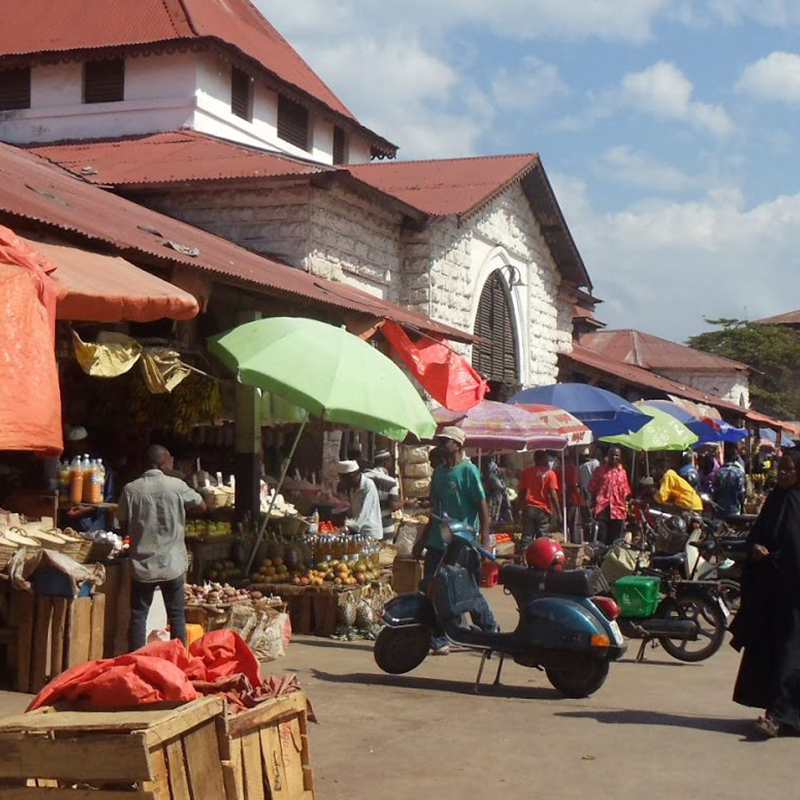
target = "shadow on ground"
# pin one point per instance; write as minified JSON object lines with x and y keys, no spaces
{"x":734,"y":727}
{"x":439,"y":685}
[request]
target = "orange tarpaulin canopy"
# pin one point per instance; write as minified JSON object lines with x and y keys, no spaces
{"x":93,"y":287}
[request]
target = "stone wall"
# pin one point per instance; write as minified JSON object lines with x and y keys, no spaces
{"x":732,"y":386}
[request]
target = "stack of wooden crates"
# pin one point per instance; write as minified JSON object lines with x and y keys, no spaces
{"x":195,"y":752}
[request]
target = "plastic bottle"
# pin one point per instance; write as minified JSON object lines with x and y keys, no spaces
{"x":95,"y":484}
{"x":101,"y":469}
{"x":88,"y":473}
{"x":63,"y":479}
{"x":76,"y":481}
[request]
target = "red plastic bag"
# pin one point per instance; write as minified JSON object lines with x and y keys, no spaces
{"x":30,"y":400}
{"x":448,"y":377}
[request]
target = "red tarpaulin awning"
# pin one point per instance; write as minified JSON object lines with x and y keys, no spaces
{"x":93,"y":287}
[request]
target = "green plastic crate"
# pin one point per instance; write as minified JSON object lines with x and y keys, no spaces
{"x":637,"y":595}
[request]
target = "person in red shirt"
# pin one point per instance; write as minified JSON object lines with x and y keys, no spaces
{"x":537,"y":498}
{"x":610,"y":489}
{"x":570,"y":496}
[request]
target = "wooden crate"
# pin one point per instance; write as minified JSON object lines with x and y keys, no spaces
{"x":406,"y":575}
{"x":268,"y":751}
{"x":117,"y":590}
{"x":117,"y":755}
{"x":54,"y":634}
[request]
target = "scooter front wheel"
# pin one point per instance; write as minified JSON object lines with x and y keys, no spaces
{"x":583,"y":677}
{"x":399,"y":650}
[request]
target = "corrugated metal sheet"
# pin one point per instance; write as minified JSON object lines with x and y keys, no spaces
{"x":652,"y":352}
{"x":642,"y":378}
{"x":169,"y":158}
{"x":47,"y":26}
{"x":31,"y":188}
{"x":445,"y":186}
{"x":791,"y":318}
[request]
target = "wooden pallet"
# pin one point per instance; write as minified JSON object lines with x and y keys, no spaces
{"x":54,"y":634}
{"x":117,"y":755}
{"x":268,"y":750}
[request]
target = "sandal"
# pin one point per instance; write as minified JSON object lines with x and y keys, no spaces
{"x":444,"y":650}
{"x":767,"y":727}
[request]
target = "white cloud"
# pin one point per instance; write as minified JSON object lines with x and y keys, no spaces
{"x":773,"y":13}
{"x":664,"y":91}
{"x":527,"y":86}
{"x":774,"y":77}
{"x":626,"y":165}
{"x":712,"y":257}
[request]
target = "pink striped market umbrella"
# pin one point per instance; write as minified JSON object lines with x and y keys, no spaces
{"x":498,"y":426}
{"x":560,"y":422}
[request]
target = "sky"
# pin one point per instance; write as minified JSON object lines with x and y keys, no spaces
{"x":668,"y":128}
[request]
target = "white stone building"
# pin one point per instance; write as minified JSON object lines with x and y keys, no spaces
{"x":199,"y":109}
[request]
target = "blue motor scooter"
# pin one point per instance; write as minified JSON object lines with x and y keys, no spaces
{"x":563,"y":628}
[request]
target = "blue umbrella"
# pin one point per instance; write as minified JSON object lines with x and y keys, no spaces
{"x":606,"y":413}
{"x":718,"y":431}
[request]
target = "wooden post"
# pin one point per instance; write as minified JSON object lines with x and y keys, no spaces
{"x":247,"y":461}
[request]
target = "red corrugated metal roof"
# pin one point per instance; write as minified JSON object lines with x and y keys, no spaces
{"x":171,"y":157}
{"x":31,"y":188}
{"x":47,"y":26}
{"x":641,"y":377}
{"x":652,"y":352}
{"x":791,"y":318}
{"x":446,"y":186}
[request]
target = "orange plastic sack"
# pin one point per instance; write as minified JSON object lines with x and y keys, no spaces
{"x":224,"y":653}
{"x":30,"y":400}
{"x":448,"y":377}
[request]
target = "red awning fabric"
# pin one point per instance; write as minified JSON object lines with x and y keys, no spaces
{"x":30,"y":400}
{"x":93,"y":287}
{"x":447,"y":376}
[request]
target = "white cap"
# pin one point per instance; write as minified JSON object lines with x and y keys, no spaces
{"x":347,"y":467}
{"x":77,"y":433}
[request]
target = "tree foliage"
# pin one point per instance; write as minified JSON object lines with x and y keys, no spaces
{"x":773,"y":353}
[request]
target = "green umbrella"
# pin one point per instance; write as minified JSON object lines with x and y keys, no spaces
{"x":328,"y":372}
{"x":663,"y":432}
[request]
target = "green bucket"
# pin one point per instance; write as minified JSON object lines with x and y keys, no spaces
{"x":637,"y":595}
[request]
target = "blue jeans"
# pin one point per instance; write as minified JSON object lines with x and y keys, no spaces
{"x":482,"y":615}
{"x":141,"y":600}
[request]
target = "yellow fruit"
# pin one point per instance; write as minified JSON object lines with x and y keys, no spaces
{"x":266,"y":563}
{"x":278,"y":562}
{"x":271,"y":571}
{"x":296,"y":581}
{"x":361,"y":578}
{"x":304,"y":581}
{"x":337,"y":581}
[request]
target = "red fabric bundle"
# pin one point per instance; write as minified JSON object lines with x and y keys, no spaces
{"x":162,"y":672}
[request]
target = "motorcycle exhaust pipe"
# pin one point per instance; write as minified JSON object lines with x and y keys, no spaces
{"x":683,"y":629}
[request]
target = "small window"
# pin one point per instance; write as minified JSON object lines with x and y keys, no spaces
{"x":241,"y":94}
{"x":292,"y":122}
{"x":339,"y":146}
{"x":15,"y":88}
{"x":104,"y":81}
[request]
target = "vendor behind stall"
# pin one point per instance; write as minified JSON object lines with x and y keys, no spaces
{"x":388,"y":491}
{"x":365,"y":505}
{"x":84,"y":517}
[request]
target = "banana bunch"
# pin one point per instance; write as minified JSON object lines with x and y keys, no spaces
{"x":194,"y":401}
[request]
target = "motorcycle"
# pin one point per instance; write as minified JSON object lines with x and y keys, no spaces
{"x":563,"y":628}
{"x":687,"y":612}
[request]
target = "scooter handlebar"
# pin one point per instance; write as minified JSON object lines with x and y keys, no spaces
{"x":486,"y":553}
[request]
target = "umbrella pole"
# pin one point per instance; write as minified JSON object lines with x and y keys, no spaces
{"x":564,"y":494}
{"x":284,"y":470}
{"x":647,"y":462}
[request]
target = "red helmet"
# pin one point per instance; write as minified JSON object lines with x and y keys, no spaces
{"x":544,"y":554}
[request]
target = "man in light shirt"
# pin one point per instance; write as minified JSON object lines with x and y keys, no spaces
{"x":388,"y":491}
{"x":365,"y":504}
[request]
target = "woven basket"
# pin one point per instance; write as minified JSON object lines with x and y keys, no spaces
{"x":74,"y":548}
{"x":7,"y":549}
{"x":48,"y":540}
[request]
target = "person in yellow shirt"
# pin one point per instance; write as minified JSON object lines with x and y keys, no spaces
{"x":672,"y":491}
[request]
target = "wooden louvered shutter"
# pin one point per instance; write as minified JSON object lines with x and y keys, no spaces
{"x":292,"y":122}
{"x":104,"y":81}
{"x":495,"y":357}
{"x":241,"y":90}
{"x":339,"y":146}
{"x":15,"y":88}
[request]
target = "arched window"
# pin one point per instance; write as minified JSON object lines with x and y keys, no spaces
{"x":495,"y":355}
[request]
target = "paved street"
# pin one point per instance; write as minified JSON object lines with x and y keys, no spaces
{"x":658,"y":730}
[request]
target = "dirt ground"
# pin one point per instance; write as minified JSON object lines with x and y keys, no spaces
{"x":656,"y":730}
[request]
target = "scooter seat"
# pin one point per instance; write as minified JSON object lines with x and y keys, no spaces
{"x":579,"y":582}
{"x":676,"y":561}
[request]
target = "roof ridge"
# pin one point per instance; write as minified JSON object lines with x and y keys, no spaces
{"x":396,"y":162}
{"x":176,"y":9}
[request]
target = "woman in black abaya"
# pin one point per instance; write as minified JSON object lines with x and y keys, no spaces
{"x":768,"y":623}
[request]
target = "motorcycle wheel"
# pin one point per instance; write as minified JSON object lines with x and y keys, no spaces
{"x":706,"y":613}
{"x":581,"y":679}
{"x":399,"y":650}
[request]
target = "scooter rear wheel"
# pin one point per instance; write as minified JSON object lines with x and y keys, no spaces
{"x":399,"y":650}
{"x":583,"y":677}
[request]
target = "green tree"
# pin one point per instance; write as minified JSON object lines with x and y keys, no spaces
{"x":773,"y":353}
